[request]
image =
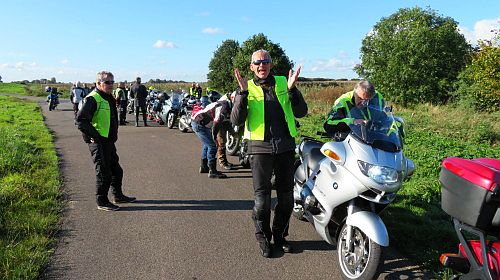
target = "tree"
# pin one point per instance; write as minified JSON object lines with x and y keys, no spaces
{"x":414,"y":56}
{"x":220,"y":69}
{"x":480,"y":80}
{"x":53,"y":80}
{"x":281,"y":63}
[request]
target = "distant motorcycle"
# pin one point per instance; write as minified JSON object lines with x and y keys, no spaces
{"x":342,"y":185}
{"x":171,"y":109}
{"x":52,"y":100}
{"x":185,"y":113}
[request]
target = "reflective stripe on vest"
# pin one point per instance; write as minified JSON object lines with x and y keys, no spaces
{"x":102,"y":116}
{"x":254,"y":126}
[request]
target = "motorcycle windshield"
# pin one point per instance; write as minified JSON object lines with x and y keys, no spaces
{"x":375,"y":127}
{"x":176,"y":99}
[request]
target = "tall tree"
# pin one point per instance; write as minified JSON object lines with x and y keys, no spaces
{"x":281,"y":62}
{"x":414,"y":56}
{"x":220,"y":69}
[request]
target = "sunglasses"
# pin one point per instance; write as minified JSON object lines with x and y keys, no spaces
{"x":108,"y":82}
{"x":263,"y":61}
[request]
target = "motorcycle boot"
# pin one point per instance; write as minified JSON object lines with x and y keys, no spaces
{"x":119,"y":197}
{"x":213,"y":173}
{"x":104,"y":204}
{"x":265,"y":248}
{"x":204,"y":166}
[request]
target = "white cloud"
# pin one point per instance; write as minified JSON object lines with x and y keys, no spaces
{"x":204,"y":14}
{"x":482,"y":30}
{"x":4,"y":66}
{"x":65,"y":61}
{"x":20,"y":65}
{"x":212,"y":30}
{"x":160,"y":44}
{"x":342,"y":61}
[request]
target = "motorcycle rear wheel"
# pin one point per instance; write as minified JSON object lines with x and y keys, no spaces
{"x":363,"y":261}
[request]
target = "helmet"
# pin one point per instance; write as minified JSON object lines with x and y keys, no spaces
{"x":214,"y":96}
{"x":151,"y":88}
{"x":185,"y":95}
{"x":161,"y":96}
{"x":48,"y":89}
{"x":204,"y":101}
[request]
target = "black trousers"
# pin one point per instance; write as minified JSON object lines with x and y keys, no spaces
{"x":263,"y":166}
{"x":75,"y":109}
{"x":108,"y":170}
{"x":123,"y":111}
{"x":144,"y":117}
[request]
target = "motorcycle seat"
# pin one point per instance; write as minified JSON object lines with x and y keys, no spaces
{"x":312,"y":154}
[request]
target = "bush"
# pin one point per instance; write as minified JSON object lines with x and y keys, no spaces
{"x":479,"y":82}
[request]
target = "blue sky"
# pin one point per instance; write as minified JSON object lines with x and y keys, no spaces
{"x":72,"y":40}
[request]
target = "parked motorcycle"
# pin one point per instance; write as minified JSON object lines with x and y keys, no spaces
{"x":341,"y":187}
{"x":52,"y":100}
{"x":170,"y":109}
{"x":471,"y":195}
{"x":186,"y":112}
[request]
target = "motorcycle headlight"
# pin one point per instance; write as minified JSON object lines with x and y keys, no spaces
{"x":379,"y":174}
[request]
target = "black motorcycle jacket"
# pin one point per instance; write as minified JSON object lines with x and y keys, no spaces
{"x":277,"y":137}
{"x":85,"y":115}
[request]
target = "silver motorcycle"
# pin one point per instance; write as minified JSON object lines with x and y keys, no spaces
{"x":341,"y":187}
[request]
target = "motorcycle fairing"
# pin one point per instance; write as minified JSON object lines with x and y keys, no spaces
{"x":371,"y":224}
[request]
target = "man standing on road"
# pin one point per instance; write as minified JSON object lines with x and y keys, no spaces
{"x":76,"y":95}
{"x":121,"y":102}
{"x":140,"y":93}
{"x":98,"y":121}
{"x":268,"y":106}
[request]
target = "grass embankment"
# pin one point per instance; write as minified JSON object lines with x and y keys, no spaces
{"x":29,"y":188}
{"x":417,"y":226}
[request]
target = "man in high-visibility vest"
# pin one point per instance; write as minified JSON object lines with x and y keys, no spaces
{"x":363,"y":95}
{"x":268,"y":106}
{"x":98,"y":122}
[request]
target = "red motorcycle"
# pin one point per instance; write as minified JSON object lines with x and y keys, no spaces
{"x":470,"y":194}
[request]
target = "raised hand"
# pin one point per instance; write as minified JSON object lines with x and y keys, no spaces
{"x":293,"y":77}
{"x":242,"y":82}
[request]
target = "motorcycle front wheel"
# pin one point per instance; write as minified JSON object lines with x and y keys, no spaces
{"x":171,"y":120}
{"x":183,"y":123}
{"x":232,"y":143}
{"x":363,"y":259}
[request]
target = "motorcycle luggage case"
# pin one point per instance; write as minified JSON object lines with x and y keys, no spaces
{"x":471,"y":191}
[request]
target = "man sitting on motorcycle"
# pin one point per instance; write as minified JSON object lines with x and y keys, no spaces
{"x":364,"y":94}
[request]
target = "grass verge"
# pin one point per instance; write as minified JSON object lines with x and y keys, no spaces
{"x":29,"y":189}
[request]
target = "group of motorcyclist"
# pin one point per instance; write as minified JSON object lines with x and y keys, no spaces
{"x":267,"y":107}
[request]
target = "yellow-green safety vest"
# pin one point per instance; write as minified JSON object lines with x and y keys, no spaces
{"x":254,"y":125}
{"x":102,"y":116}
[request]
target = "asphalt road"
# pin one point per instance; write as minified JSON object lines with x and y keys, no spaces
{"x":183,"y":226}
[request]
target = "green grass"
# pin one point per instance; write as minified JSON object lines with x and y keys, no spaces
{"x":417,"y":226}
{"x":29,"y":189}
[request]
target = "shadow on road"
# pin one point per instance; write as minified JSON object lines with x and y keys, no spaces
{"x":201,"y":205}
